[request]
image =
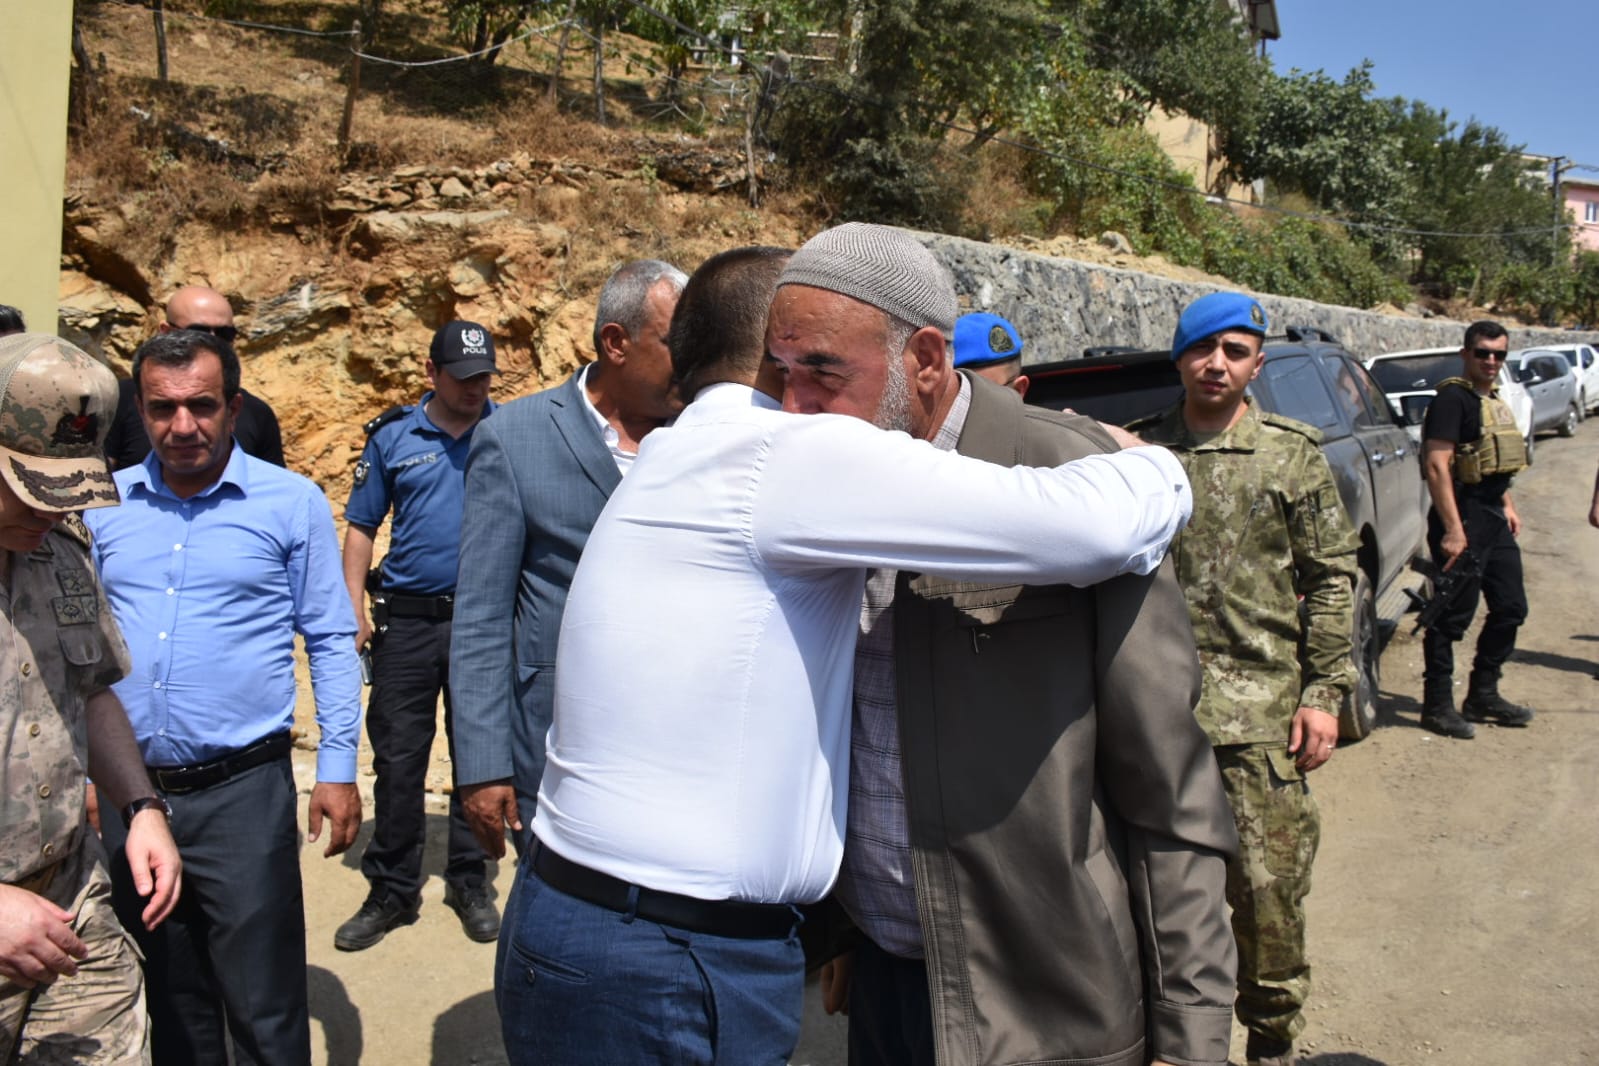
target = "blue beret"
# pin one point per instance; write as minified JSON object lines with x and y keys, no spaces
{"x":1218,"y":313}
{"x":982,"y":338}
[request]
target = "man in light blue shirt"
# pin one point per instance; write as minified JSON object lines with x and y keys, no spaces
{"x":214,"y":563}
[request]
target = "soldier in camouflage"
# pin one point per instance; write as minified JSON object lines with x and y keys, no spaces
{"x":71,"y":990}
{"x":1268,"y":527}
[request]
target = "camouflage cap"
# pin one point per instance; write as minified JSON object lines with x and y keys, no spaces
{"x":56,"y":407}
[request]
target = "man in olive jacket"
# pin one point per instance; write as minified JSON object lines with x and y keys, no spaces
{"x":1026,"y":758}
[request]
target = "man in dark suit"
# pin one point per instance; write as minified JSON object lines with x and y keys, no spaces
{"x":538,"y":474}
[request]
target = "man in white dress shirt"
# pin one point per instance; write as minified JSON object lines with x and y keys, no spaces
{"x":697,"y":769}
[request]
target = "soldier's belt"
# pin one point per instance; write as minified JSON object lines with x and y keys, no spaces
{"x":39,"y":881}
{"x":180,"y":779}
{"x":403,"y":606}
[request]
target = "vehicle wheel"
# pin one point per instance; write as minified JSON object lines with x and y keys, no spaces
{"x":1568,"y":425}
{"x":1360,"y":709}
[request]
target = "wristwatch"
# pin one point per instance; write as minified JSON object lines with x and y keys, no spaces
{"x":145,"y":803}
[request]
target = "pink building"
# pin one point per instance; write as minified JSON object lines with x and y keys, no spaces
{"x":1582,"y":200}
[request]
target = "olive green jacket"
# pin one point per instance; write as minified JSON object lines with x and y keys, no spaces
{"x":1068,"y":826}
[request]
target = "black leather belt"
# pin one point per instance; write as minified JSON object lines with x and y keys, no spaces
{"x":403,"y":606}
{"x":720,"y":917}
{"x":180,"y":779}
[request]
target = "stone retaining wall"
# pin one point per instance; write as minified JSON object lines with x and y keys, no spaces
{"x":1062,"y":306}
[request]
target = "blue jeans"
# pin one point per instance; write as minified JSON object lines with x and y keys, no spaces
{"x":579,"y":985}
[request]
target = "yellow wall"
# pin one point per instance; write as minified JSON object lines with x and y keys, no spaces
{"x":35,"y":56}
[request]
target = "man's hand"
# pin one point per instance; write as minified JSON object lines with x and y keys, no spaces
{"x":91,"y":805}
{"x":363,"y":630}
{"x":1512,"y":518}
{"x":835,"y":980}
{"x":37,"y":943}
{"x":1312,"y":737}
{"x":153,"y":859}
{"x":1122,"y":438}
{"x":342,"y":805}
{"x":490,"y":806}
{"x":1452,"y":545}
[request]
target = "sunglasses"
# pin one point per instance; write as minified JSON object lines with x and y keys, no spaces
{"x":1489,"y":353}
{"x":227,"y":333}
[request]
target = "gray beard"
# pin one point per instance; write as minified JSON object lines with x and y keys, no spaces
{"x":894,"y":409}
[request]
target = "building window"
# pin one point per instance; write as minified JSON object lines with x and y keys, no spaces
{"x":1590,"y":211}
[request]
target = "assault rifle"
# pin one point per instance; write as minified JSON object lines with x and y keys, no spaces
{"x":1448,"y":585}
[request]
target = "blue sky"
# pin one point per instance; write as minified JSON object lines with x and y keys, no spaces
{"x":1529,"y":68}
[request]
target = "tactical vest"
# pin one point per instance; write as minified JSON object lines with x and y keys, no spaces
{"x":1500,"y":450}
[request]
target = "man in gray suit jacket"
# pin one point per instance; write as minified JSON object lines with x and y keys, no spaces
{"x":537,"y":477}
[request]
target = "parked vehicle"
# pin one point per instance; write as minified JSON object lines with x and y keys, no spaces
{"x":1549,"y":380}
{"x":1585,"y":364}
{"x":1411,"y":380}
{"x":1306,"y":376}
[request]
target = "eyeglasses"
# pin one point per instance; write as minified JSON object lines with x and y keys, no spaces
{"x":226,"y":333}
{"x":1489,"y":353}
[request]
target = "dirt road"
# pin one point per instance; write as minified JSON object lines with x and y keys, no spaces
{"x":1453,"y":920}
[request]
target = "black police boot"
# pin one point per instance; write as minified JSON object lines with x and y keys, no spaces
{"x":479,"y":920}
{"x":1438,"y":711}
{"x":1484,"y":704}
{"x":1263,"y":1050}
{"x":381,"y":912}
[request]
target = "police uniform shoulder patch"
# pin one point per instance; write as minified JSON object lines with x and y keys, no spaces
{"x":386,"y":417}
{"x":1293,"y":425}
{"x":362,"y":469}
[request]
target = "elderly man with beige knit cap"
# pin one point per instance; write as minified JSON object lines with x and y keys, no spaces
{"x":70,"y":985}
{"x":1037,"y":833}
{"x":696,"y":784}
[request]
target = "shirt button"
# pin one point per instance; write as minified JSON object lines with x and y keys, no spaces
{"x":158,"y":684}
{"x":44,"y":791}
{"x":171,"y":591}
{"x":27,"y":668}
{"x":177,"y":547}
{"x":33,"y":730}
{"x":161,"y":636}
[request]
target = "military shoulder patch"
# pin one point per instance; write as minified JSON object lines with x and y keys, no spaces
{"x":74,"y":528}
{"x":1293,"y":425}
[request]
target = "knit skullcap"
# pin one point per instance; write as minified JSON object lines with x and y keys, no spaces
{"x":881,"y":266}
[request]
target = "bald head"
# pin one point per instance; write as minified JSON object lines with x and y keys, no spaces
{"x":196,"y":305}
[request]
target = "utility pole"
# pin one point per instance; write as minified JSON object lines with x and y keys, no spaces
{"x":1557,"y":167}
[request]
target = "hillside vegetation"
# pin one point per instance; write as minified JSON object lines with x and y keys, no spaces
{"x":491,"y":188}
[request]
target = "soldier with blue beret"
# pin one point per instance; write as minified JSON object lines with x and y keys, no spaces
{"x":414,"y":465}
{"x":990,"y":347}
{"x":1268,"y":528}
{"x":69,"y":974}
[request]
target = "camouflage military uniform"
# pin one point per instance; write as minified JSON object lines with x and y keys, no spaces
{"x":60,"y":645}
{"x":1267,"y":525}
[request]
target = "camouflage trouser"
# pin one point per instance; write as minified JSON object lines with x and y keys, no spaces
{"x":96,"y":1016}
{"x":1279,"y":829}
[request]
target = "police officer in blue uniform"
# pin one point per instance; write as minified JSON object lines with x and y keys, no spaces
{"x":414,"y":465}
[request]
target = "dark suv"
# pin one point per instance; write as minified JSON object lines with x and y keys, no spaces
{"x":1309,"y":377}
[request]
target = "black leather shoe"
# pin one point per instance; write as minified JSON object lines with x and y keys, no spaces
{"x":380,"y":913}
{"x":479,"y":918}
{"x":1446,"y":721}
{"x":1492,"y":707}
